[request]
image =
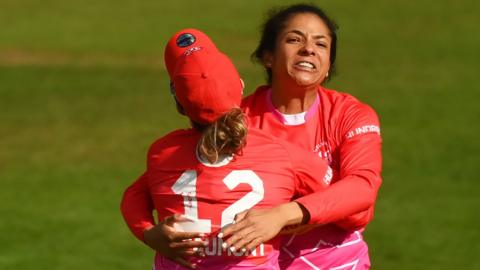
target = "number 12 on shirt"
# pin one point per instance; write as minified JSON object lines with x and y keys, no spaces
{"x":186,"y":186}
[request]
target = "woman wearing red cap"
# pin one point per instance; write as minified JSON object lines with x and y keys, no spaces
{"x":218,"y":168}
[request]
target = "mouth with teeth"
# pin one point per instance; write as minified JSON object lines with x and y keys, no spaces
{"x":305,"y":65}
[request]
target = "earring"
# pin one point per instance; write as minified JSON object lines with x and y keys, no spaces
{"x":326,"y":75}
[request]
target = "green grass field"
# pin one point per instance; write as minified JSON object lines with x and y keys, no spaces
{"x":83,"y":93}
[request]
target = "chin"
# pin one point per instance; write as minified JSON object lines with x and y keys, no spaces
{"x":307,"y":82}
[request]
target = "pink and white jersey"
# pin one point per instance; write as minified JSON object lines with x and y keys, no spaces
{"x":267,"y":173}
{"x":346,"y":133}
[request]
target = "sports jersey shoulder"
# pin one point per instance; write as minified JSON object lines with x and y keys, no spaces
{"x":174,"y":147}
{"x":347,"y":117}
{"x":342,"y":114}
{"x":264,"y":154}
{"x":254,"y":104}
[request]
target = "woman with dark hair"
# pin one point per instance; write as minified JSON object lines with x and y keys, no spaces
{"x":298,"y":50}
{"x":209,"y":173}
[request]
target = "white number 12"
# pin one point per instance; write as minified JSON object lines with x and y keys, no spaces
{"x":186,"y":186}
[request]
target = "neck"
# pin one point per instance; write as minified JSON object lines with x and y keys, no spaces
{"x":293,"y":100}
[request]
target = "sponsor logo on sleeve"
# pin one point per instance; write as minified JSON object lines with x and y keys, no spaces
{"x":363,"y":130}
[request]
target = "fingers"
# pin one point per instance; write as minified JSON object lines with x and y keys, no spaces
{"x":254,"y":243}
{"x":237,"y":224}
{"x":174,"y":235}
{"x":249,"y":242}
{"x":233,"y":228}
{"x":240,"y":216}
{"x":242,"y":220}
{"x":239,"y":245}
{"x":241,"y":236}
{"x":190,"y":252}
{"x":189,"y":244}
{"x":243,"y":240}
{"x":183,"y":236}
{"x":170,"y":220}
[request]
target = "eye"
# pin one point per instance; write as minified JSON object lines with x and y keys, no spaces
{"x":293,"y":39}
{"x":321,"y":44}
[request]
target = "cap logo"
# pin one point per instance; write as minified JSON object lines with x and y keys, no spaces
{"x":185,"y":40}
{"x":191,"y":50}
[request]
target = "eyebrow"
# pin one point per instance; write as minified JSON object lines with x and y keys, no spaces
{"x":298,"y":32}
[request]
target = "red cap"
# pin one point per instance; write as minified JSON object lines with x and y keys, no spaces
{"x":205,"y":81}
{"x":183,"y":41}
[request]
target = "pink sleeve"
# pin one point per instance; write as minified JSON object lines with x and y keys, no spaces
{"x":349,"y":201}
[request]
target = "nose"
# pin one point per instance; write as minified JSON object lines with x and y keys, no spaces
{"x":307,"y":49}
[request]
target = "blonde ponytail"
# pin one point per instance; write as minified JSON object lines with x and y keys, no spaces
{"x":226,"y":136}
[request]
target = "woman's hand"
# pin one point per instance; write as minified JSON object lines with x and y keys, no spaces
{"x":174,"y":245}
{"x":255,"y":226}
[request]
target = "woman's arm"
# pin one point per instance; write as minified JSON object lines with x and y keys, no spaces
{"x":255,"y":226}
{"x":137,"y":210}
{"x":310,"y":173}
{"x":349,"y":201}
{"x":137,"y":207}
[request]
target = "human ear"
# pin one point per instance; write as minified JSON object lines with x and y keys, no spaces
{"x":267,"y":59}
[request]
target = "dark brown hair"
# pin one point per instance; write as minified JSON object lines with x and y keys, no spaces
{"x":276,"y":21}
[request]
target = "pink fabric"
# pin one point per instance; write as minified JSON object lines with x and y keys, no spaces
{"x":332,"y":248}
{"x":217,"y":263}
{"x":345,"y":132}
